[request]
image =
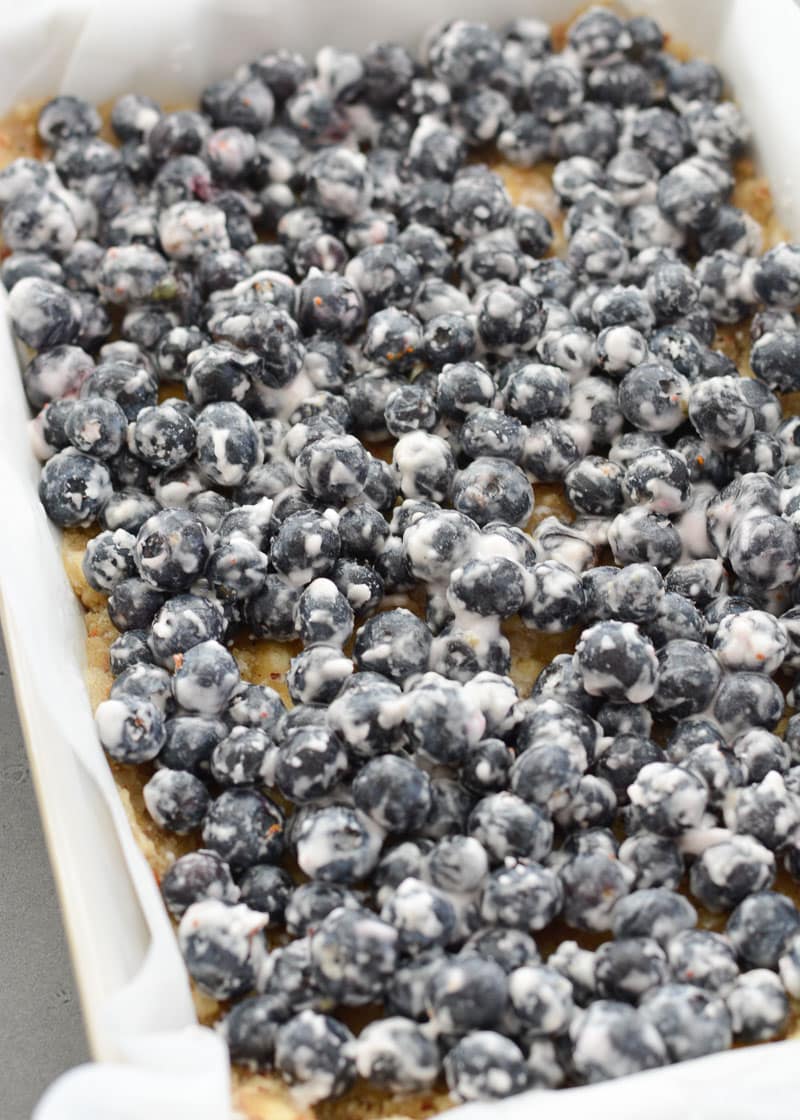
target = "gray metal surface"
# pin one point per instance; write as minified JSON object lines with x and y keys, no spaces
{"x":41,"y":1033}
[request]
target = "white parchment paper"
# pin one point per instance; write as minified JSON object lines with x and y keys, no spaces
{"x":155,"y":1061}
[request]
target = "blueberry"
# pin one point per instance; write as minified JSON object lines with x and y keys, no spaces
{"x":535,"y":392}
{"x":367,"y":716}
{"x":408,"y":409}
{"x":218,"y":372}
{"x":393,"y":792}
{"x":206,"y":679}
{"x":624,"y":719}
{"x":131,"y":728}
{"x":44,"y":314}
{"x":108,"y":559}
{"x":689,"y":734}
{"x":423,"y":916}
{"x":176,"y":800}
{"x":747,"y":700}
{"x":240,"y":758}
{"x":764,"y":809}
{"x":310,"y":764}
{"x":463,"y":54}
{"x":639,"y":536}
{"x":594,"y":486}
{"x":360,"y":584}
{"x":485,"y":1066}
{"x":508,"y":827}
{"x":244,"y":828}
{"x":615,"y":660}
{"x":728,"y":872}
{"x":395,"y":643}
{"x":74,"y":488}
{"x":688,"y":677}
{"x":133,"y":604}
{"x":329,"y":303}
{"x":488,"y":587}
{"x":597,"y":253}
{"x":577,"y":965}
{"x":163,"y":435}
{"x":555,"y":91}
{"x":435,"y":151}
{"x":221,"y":947}
{"x":338,"y":184}
{"x":522,"y":895}
{"x":510,"y":948}
{"x":509,"y":319}
{"x":171,"y":549}
{"x":127,"y":650}
{"x":66,"y":117}
{"x":311,"y":902}
{"x":691,"y":1022}
{"x":396,"y":1055}
{"x":655,"y":860}
{"x":250,"y":1029}
{"x":542,"y":999}
{"x":758,"y":1006}
{"x":133,"y":274}
{"x":760,"y":927}
{"x":654,"y":397}
{"x":652,"y":912}
{"x":777,"y":276}
{"x":336,"y":844}
{"x":306,"y":545}
{"x":323,"y":614}
{"x":317,"y":674}
{"x":493,"y":489}
{"x":592,"y":884}
{"x":194,"y":876}
{"x":353,"y":953}
{"x":316,"y":1051}
{"x":554,"y":598}
{"x":384,"y":275}
{"x":448,"y":338}
{"x":630,"y":969}
{"x":180,"y":133}
{"x":467,"y":993}
{"x":612,"y":1039}
{"x":721,"y":413}
{"x":190,"y":743}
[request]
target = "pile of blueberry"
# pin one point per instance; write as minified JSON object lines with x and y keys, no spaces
{"x":318,"y":256}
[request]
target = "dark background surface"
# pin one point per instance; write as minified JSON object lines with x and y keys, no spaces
{"x":41,"y":1032}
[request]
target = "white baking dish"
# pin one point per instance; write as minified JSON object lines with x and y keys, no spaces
{"x":152,"y":1059}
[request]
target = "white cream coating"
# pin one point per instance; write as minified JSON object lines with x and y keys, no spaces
{"x":411,"y":911}
{"x":420,"y":451}
{"x":555,"y":540}
{"x":495,"y":696}
{"x":200,"y":696}
{"x":188,"y":230}
{"x":663,"y":786}
{"x":720,"y":859}
{"x":310,"y":1083}
{"x":211,"y":923}
{"x":758,"y":1004}
{"x":321,"y":832}
{"x":401,"y":1043}
{"x":542,"y":997}
{"x":753,"y":640}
